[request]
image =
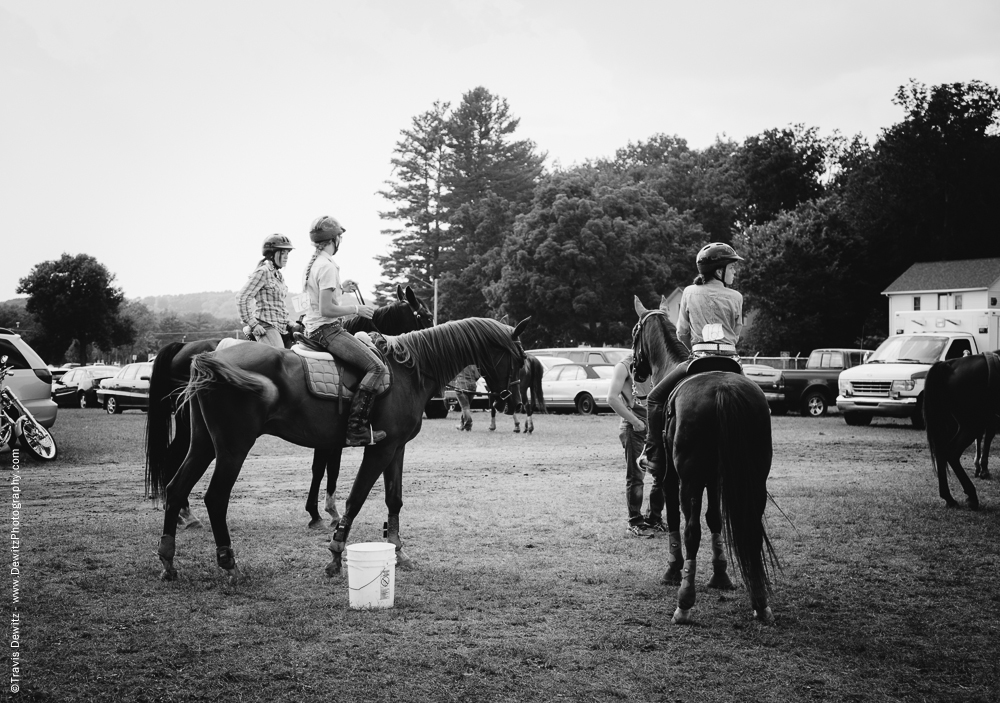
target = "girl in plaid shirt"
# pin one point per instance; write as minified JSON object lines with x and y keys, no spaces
{"x":261,"y":301}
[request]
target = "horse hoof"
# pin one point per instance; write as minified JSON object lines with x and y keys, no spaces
{"x":333,"y":569}
{"x":671,"y":577}
{"x":316,"y":523}
{"x":168,"y":574}
{"x":682,"y":616}
{"x":951,"y":502}
{"x":233,"y":575}
{"x":721,"y":581}
{"x":765,"y":616}
{"x":974,"y":503}
{"x":517,"y":430}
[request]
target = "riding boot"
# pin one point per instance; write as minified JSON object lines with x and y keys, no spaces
{"x":653,"y":458}
{"x":359,"y":432}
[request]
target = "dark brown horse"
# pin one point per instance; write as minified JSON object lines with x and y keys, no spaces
{"x":171,"y":371}
{"x":237,"y":394}
{"x":530,"y":383}
{"x":962,"y":406}
{"x":718,"y":439}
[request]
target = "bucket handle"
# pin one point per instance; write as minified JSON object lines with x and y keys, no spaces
{"x":377,"y":576}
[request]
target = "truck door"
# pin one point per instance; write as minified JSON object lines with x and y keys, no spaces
{"x":958,"y":348}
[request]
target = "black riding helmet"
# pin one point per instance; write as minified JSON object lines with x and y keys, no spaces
{"x":274,"y":242}
{"x":715,"y":256}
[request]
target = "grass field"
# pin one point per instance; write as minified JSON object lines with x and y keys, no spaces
{"x":525,"y":588}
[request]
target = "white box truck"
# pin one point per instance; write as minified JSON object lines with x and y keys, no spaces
{"x":891,"y":381}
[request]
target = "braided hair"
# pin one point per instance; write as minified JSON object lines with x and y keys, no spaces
{"x":319,"y":248}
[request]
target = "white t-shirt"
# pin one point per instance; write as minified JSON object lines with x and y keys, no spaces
{"x":325,"y":274}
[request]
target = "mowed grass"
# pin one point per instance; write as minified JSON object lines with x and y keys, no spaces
{"x":524,"y":589}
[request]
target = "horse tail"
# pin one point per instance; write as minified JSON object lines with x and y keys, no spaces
{"x":745,"y":453}
{"x":938,"y":421}
{"x":210,"y":371}
{"x":537,"y":371}
{"x":158,"y":420}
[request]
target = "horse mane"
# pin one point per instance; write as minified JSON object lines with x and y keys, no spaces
{"x":663,"y":344}
{"x":441,"y":352}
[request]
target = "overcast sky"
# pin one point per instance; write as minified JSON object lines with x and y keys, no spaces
{"x":167,"y":139}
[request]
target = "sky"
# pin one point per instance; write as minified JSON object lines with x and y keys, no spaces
{"x":167,"y":140}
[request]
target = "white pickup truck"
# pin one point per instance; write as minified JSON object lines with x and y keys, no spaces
{"x":891,"y":382}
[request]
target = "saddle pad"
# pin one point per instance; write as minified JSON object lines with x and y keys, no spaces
{"x":329,"y":379}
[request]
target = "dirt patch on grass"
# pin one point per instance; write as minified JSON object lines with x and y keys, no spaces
{"x":525,"y":587}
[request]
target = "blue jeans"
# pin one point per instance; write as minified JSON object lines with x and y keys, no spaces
{"x":349,"y":349}
{"x":632,"y":442}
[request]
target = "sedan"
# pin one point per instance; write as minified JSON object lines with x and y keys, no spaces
{"x":78,"y":387}
{"x":581,"y":387}
{"x":129,"y":388}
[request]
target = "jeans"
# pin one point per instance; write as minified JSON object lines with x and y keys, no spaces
{"x":632,"y":442}
{"x":349,"y":349}
{"x":272,"y":337}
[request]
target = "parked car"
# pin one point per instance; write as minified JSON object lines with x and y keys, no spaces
{"x":129,"y":388}
{"x":30,"y":378}
{"x":78,"y":387}
{"x":585,"y":355}
{"x":813,"y":390}
{"x":582,"y":387}
{"x":549,"y":361}
{"x":771,"y":382}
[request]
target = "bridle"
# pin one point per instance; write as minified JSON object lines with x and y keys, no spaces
{"x":512,"y":379}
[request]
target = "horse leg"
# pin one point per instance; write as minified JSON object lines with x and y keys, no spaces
{"x":517,"y":425}
{"x":393,"y":478}
{"x":493,"y":418}
{"x":377,"y":456}
{"x":713,"y":516}
{"x":686,"y":594}
{"x":199,"y":456}
{"x":675,"y":560}
{"x":529,"y":425}
{"x":176,"y":451}
{"x":967,"y":485}
{"x":312,"y":500}
{"x":332,"y":474}
{"x":983,"y":452}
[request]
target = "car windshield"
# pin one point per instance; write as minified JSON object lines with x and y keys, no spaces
{"x":604,"y":371}
{"x":908,"y":349}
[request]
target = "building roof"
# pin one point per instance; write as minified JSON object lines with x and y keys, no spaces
{"x":964,"y":274}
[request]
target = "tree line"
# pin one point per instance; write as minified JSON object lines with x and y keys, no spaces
{"x":825,"y":222}
{"x":75,"y":312}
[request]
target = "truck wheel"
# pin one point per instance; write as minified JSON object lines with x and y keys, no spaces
{"x":857,"y":419}
{"x":814,"y":404}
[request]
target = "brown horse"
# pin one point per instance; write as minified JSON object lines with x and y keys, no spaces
{"x":237,"y":394}
{"x":171,"y":371}
{"x":962,"y":405}
{"x":718,"y":439}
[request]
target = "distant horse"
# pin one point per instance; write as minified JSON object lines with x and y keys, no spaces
{"x":962,"y":405}
{"x":237,"y":394}
{"x":530,"y":378}
{"x":171,"y":371}
{"x":717,"y":437}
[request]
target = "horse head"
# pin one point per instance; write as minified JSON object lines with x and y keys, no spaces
{"x":655,"y":346}
{"x":507,"y":375}
{"x":424,"y":317}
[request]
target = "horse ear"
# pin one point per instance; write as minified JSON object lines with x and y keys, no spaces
{"x":503,"y":320}
{"x":520,"y":327}
{"x":399,"y":292}
{"x":411,"y":298}
{"x":663,"y":302}
{"x":640,"y":309}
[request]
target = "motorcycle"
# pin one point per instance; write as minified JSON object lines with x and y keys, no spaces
{"x":17,"y":423}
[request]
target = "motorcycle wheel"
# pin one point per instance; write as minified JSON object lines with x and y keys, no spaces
{"x":37,"y":441}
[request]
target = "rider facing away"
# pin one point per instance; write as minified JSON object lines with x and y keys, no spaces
{"x":261,"y":301}
{"x":324,"y":323}
{"x":709,"y":306}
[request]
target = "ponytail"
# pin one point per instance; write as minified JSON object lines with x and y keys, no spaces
{"x":319,"y":248}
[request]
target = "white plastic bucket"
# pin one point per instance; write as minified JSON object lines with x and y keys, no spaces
{"x":371,"y":574}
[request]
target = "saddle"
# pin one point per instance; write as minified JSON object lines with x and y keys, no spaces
{"x":329,"y":378}
{"x":702,"y":364}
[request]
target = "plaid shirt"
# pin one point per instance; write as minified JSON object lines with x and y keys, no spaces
{"x":262,"y":299}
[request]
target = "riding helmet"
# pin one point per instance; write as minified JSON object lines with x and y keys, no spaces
{"x":274,"y":242}
{"x":715,"y":256}
{"x":324,"y":229}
